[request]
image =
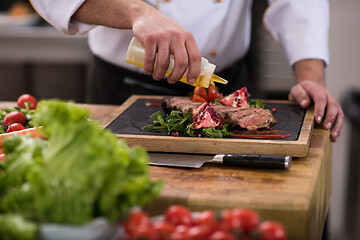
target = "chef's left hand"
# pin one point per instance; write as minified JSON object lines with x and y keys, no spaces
{"x":310,"y":88}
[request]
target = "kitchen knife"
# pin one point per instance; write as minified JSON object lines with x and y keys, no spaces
{"x":238,"y":160}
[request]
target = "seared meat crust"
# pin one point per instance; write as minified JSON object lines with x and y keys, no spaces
{"x":247,"y":118}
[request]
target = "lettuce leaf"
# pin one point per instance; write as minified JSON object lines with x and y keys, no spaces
{"x":14,"y":227}
{"x":80,"y":172}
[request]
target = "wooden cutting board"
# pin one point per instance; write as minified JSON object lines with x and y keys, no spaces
{"x":128,"y":119}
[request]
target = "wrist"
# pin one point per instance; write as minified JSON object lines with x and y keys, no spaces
{"x":310,"y":69}
{"x":138,"y":11}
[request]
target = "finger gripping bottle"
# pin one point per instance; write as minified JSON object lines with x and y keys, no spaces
{"x":136,"y":54}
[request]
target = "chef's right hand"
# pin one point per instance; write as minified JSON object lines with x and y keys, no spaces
{"x":162,"y":36}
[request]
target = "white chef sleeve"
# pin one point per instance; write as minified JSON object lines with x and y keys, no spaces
{"x":301,"y":26}
{"x":58,"y":13}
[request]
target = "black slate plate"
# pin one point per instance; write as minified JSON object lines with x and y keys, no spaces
{"x":290,"y":118}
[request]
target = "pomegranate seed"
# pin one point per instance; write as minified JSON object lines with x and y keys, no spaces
{"x":221,"y":126}
{"x":175,"y":134}
{"x":199,"y":134}
{"x":273,"y":110}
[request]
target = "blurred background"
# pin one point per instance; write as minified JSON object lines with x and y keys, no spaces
{"x":36,"y":59}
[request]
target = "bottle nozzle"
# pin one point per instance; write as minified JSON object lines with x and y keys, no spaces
{"x":216,"y":78}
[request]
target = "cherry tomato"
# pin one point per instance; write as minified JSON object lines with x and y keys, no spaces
{"x":197,"y":98}
{"x":249,"y":219}
{"x":15,"y":117}
{"x":199,"y":232}
{"x":136,"y":219}
{"x":206,"y":218}
{"x":272,"y":230}
{"x":212,"y":93}
{"x":201,"y":92}
{"x":178,"y":215}
{"x":15,"y":127}
{"x":27,"y":98}
{"x":144,"y":232}
{"x":229,"y":221}
{"x":164,"y":229}
{"x":180,"y":233}
{"x":222,"y":235}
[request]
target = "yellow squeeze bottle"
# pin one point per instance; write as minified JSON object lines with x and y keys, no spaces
{"x":136,"y":53}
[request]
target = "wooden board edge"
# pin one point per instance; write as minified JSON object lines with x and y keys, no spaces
{"x":212,"y":146}
{"x":298,"y":148}
{"x":111,"y":117}
{"x":307,"y":129}
{"x":125,"y":105}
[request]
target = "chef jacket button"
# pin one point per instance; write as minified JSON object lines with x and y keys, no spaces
{"x":218,"y":0}
{"x":213,"y":53}
{"x":167,"y":0}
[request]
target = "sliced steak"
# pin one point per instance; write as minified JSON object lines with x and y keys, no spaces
{"x":256,"y":120}
{"x":231,"y":115}
{"x":248,"y":118}
{"x":182,"y":104}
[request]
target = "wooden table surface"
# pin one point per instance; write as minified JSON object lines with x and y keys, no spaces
{"x":299,"y":198}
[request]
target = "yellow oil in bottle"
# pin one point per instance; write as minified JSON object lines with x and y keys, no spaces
{"x":135,"y":55}
{"x":214,"y":78}
{"x":200,"y":81}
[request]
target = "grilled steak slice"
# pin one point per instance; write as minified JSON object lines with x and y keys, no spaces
{"x":231,"y":115}
{"x":248,"y":118}
{"x":182,"y":104}
{"x":256,"y":120}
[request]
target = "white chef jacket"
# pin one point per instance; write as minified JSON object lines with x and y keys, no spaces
{"x":221,"y":28}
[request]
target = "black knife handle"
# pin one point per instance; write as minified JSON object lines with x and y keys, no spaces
{"x":258,"y":161}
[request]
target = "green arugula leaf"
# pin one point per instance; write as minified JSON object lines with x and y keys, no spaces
{"x":256,"y":103}
{"x":183,"y":123}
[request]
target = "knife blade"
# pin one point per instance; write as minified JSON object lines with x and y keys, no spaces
{"x":237,"y":160}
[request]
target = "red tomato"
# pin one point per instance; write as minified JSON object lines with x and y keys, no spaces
{"x":249,"y":219}
{"x":222,"y":235}
{"x":197,"y":98}
{"x":212,"y":93}
{"x":206,"y":218}
{"x":164,"y":229}
{"x":15,"y":127}
{"x":272,"y":230}
{"x":144,"y":232}
{"x":199,"y":232}
{"x":27,"y":98}
{"x":178,"y":215}
{"x":136,"y":219}
{"x":180,"y":233}
{"x":15,"y":117}
{"x":201,"y":92}
{"x":229,"y":221}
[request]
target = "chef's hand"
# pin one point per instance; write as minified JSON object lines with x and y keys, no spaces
{"x":156,"y":32}
{"x":160,"y":34}
{"x":310,"y":88}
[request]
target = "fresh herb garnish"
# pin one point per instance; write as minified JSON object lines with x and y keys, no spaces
{"x":255,"y":103}
{"x":183,"y":123}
